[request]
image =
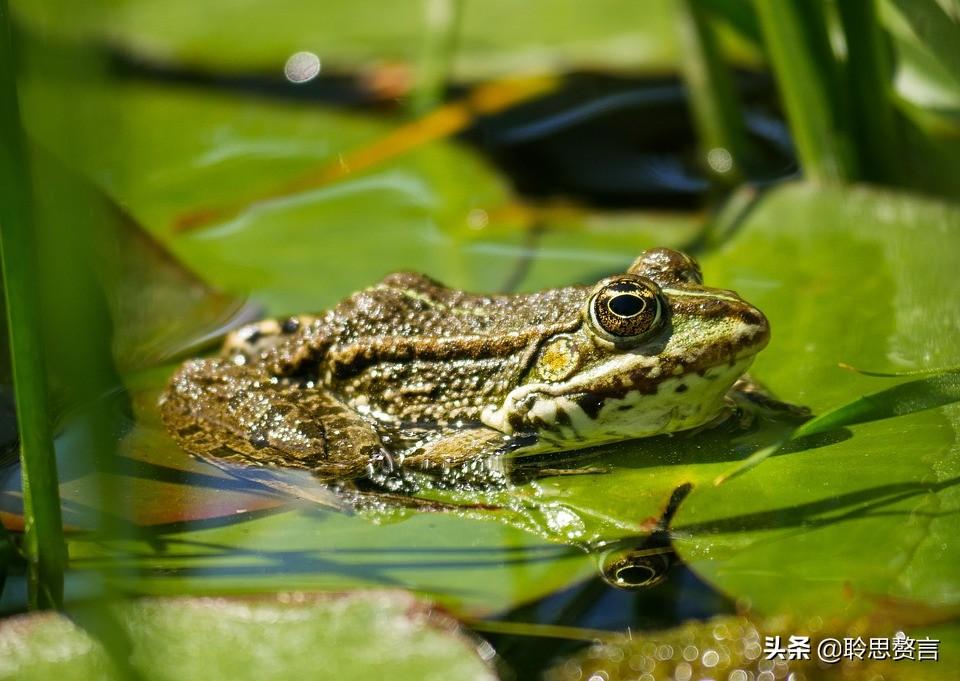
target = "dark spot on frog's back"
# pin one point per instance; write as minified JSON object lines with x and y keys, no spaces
{"x":682,"y":388}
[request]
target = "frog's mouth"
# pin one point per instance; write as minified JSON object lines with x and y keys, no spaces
{"x":672,"y":383}
{"x":571,"y":420}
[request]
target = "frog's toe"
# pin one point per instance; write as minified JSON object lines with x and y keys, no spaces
{"x":750,"y":396}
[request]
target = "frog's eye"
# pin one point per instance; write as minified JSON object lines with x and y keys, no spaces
{"x":626,"y":308}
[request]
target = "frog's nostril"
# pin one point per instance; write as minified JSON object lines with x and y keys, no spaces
{"x":756,"y":319}
{"x":753,"y":317}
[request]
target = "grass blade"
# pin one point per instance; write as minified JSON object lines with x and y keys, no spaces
{"x":44,"y":546}
{"x":443,"y":18}
{"x":868,"y":80}
{"x":713,"y":98}
{"x":930,"y":392}
{"x":795,"y":35}
{"x":8,"y":553}
{"x":936,"y":29}
{"x":905,"y":398}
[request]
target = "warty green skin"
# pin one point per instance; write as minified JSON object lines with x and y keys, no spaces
{"x":423,"y":376}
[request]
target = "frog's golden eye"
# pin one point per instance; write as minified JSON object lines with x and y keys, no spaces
{"x":626,"y":308}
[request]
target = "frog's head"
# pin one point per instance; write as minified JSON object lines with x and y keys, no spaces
{"x":656,"y":352}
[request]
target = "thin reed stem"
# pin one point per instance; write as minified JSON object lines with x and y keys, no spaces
{"x":44,"y":547}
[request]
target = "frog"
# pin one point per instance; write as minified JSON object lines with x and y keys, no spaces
{"x":409,"y":374}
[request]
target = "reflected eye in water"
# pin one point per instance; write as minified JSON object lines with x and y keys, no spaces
{"x":641,"y":566}
{"x":636,"y":568}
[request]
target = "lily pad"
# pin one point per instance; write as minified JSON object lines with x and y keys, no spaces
{"x":177,"y":151}
{"x":840,"y":522}
{"x":497,"y":37}
{"x":474,"y":568}
{"x":173,"y":151}
{"x":290,"y":635}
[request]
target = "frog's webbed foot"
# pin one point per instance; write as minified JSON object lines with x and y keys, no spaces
{"x":229,"y":412}
{"x":750,"y":398}
{"x":745,"y":401}
{"x":479,"y":457}
{"x":730,"y":416}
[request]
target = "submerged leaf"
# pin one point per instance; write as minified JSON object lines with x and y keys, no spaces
{"x":736,"y":649}
{"x":291,"y":635}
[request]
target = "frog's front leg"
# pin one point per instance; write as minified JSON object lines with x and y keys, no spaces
{"x":750,"y":397}
{"x":224,"y":411}
{"x":457,"y":448}
{"x":481,"y":456}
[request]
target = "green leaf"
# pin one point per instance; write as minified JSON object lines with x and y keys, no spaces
{"x":923,"y":38}
{"x":307,"y":250}
{"x":471,"y":567}
{"x":842,"y":521}
{"x":496,"y":37}
{"x":795,"y":33}
{"x":237,"y":149}
{"x":292,"y":635}
{"x":19,"y":259}
{"x":935,"y":29}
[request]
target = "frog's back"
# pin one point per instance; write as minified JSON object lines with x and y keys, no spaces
{"x":411,"y":306}
{"x":412,"y":349}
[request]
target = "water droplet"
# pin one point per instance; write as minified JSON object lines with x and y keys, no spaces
{"x":477,"y":218}
{"x":301,"y":67}
{"x":720,"y":160}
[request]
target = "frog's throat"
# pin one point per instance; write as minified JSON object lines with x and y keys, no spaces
{"x":566,"y":419}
